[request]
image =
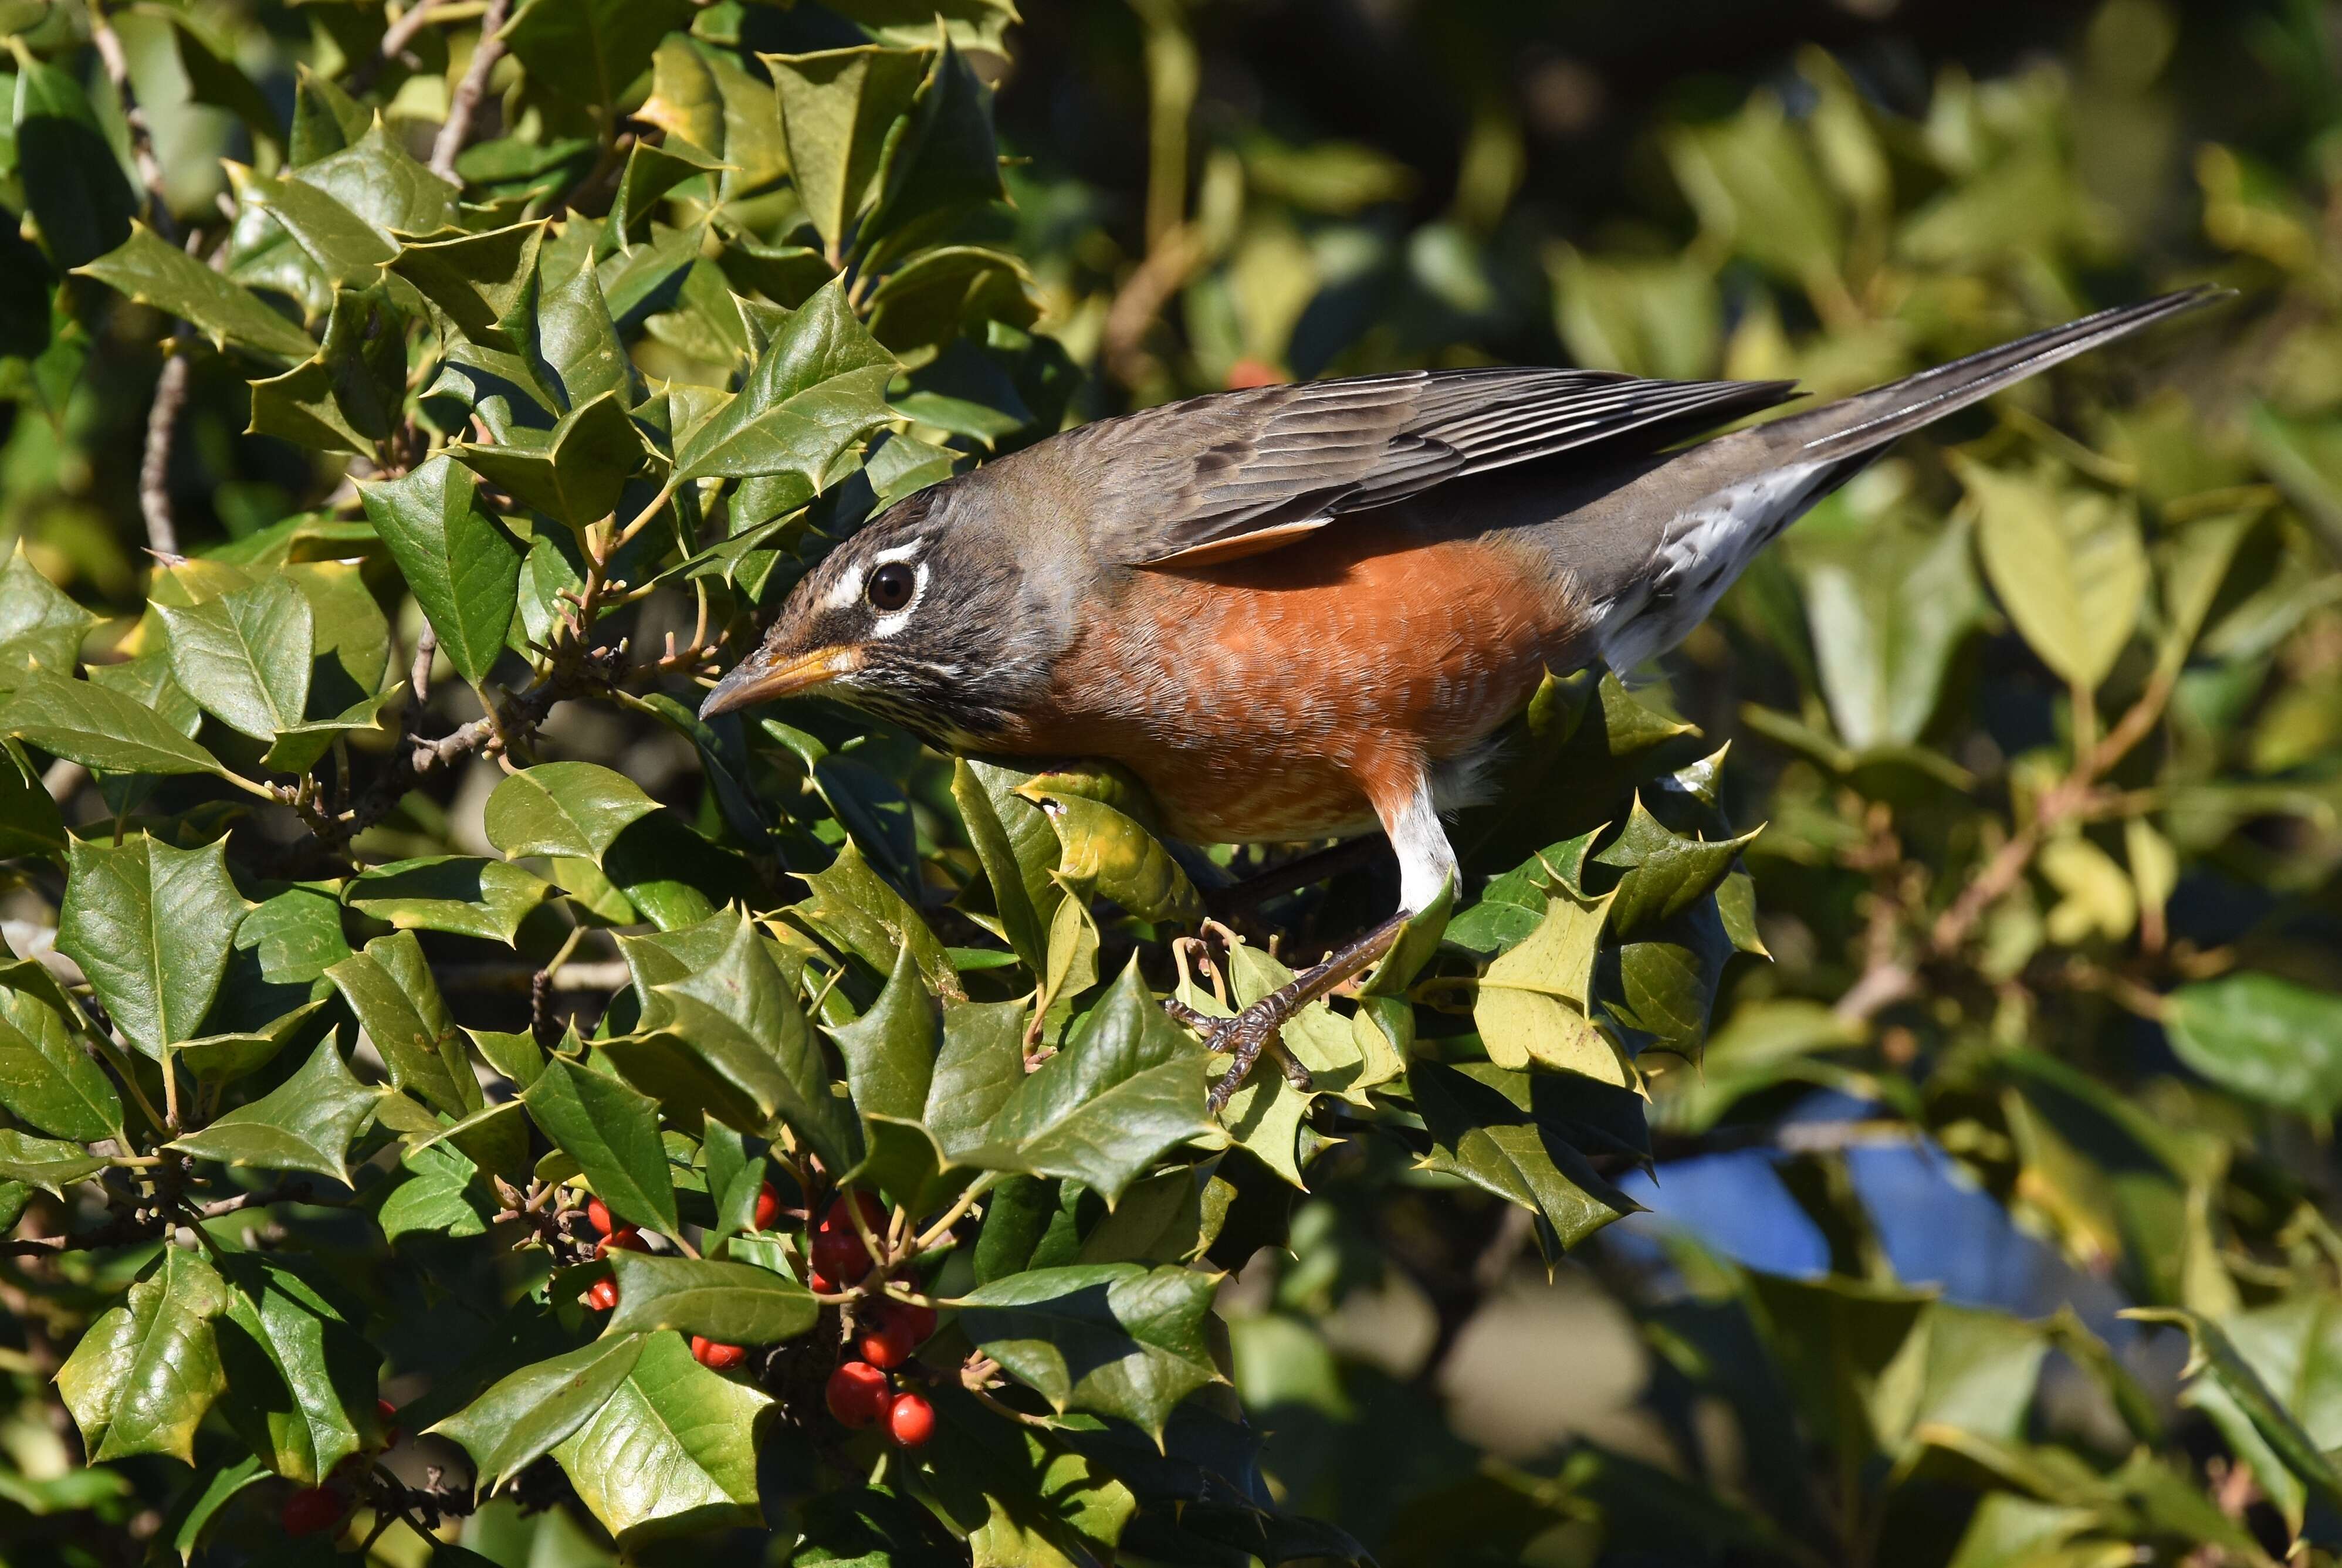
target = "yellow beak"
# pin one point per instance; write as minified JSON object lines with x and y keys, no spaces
{"x":758,"y":679}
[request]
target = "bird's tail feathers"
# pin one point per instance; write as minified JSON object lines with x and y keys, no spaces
{"x":1869,"y":420}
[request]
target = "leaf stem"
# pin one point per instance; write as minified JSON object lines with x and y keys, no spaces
{"x":951,"y":1216}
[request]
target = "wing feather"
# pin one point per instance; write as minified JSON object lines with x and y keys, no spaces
{"x":1214,"y":479}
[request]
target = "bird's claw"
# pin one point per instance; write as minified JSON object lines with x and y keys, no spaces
{"x":1242,"y":1039}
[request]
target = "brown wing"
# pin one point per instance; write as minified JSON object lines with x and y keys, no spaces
{"x":1215,"y":478}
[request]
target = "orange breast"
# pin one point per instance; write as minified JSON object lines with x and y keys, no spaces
{"x":1288,"y":695}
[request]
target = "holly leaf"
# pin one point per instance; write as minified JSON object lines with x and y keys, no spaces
{"x":526,"y":1415}
{"x":468,"y":895}
{"x":304,"y":1124}
{"x":51,"y":1165}
{"x":1127,"y":1087}
{"x":2262,"y":1038}
{"x":462,"y":567}
{"x":389,"y":986}
{"x":151,"y":927}
{"x":591,"y":53}
{"x":143,"y":1377}
{"x":73,"y":183}
{"x":612,"y":1132}
{"x":91,"y":723}
{"x":47,"y":1079}
{"x":672,"y":1452}
{"x":300,"y":1376}
{"x":1108,"y":851}
{"x":575,"y":472}
{"x":733,"y":1304}
{"x":40,"y":627}
{"x":837,"y":107}
{"x":1500,"y":1132}
{"x":818,"y":387}
{"x":246,"y":654}
{"x":1114,"y":1339}
{"x":155,"y":272}
{"x":572,"y":809}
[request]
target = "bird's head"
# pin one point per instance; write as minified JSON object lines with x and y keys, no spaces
{"x":924,"y":617}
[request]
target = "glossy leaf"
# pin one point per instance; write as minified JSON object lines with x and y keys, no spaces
{"x":389,"y":986}
{"x":300,"y":1376}
{"x":305,"y":1123}
{"x":47,"y":1079}
{"x":529,"y":1413}
{"x":245,"y":655}
{"x":2068,"y":565}
{"x":52,"y":1164}
{"x":150,"y":926}
{"x":462,"y":567}
{"x":612,"y":1132}
{"x":575,"y":809}
{"x":1103,"y":1109}
{"x":817,"y":388}
{"x":1110,"y":852}
{"x":734,"y":1303}
{"x":40,"y":627}
{"x":1114,"y":1339}
{"x":837,"y":108}
{"x":673,"y":1451}
{"x":1501,"y":1131}
{"x":576,"y":471}
{"x":591,"y":52}
{"x":88,"y":723}
{"x":466,"y":894}
{"x":155,"y":272}
{"x":74,"y":187}
{"x":144,"y":1374}
{"x":2261,"y":1037}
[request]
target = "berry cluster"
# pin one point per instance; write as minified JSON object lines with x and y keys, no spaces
{"x":860,"y":1392}
{"x":618,"y":1236}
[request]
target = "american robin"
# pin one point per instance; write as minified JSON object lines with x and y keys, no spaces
{"x":1301,"y":612}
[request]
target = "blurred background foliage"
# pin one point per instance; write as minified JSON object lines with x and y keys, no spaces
{"x":2034,"y":1089}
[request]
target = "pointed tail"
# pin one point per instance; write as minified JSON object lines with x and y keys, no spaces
{"x":1871,"y":419}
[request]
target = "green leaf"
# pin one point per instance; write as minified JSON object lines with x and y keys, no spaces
{"x":348,"y":250}
{"x":673,"y":1451}
{"x":836,"y":109}
{"x":1534,"y":1006}
{"x":245,"y":655}
{"x":2263,"y":1038}
{"x":528,"y":1413}
{"x":574,"y":809}
{"x":592,"y":52}
{"x":612,"y":1132}
{"x":301,"y":1377}
{"x":1110,"y":852}
{"x":304,"y":1124}
{"x":940,"y":165}
{"x":2067,"y":563}
{"x":227,"y":1056}
{"x":40,"y":627}
{"x":353,"y":394}
{"x":466,"y":894}
{"x":296,"y":935}
{"x":1128,"y":1088}
{"x":739,"y":1016}
{"x":576,"y":473}
{"x":1503,"y":1133}
{"x":733,"y":1304}
{"x":45,"y":1078}
{"x":48,"y":1164}
{"x":890,"y":1051}
{"x":1888,"y":607}
{"x":155,"y":272}
{"x":941,"y":292}
{"x":462,"y":564}
{"x":389,"y":987}
{"x":855,"y":907}
{"x":1666,"y":872}
{"x":1020,"y":923}
{"x":2213,"y":1355}
{"x":1114,"y":1339}
{"x":818,"y":387}
{"x":374,"y":176}
{"x":74,"y":187}
{"x":90,"y":723}
{"x":485,"y":284}
{"x":151,"y":927}
{"x":143,"y":1377}
{"x":575,"y":337}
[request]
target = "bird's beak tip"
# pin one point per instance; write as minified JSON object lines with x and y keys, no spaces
{"x":757,"y":678}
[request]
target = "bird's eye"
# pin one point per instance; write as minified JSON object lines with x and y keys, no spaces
{"x":890,"y":587}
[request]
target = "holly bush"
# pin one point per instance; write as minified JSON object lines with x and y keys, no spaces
{"x":457,"y":1105}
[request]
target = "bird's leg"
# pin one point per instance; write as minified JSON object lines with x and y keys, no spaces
{"x":1255,"y":1029}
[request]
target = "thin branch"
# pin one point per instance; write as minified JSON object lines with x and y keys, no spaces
{"x":142,"y":142}
{"x":155,"y":467}
{"x":465,"y":100}
{"x":395,"y":40}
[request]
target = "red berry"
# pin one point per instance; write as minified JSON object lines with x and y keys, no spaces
{"x":841,"y":1256}
{"x":625,"y":1239}
{"x":885,"y":1340}
{"x":721,"y":1357}
{"x":856,"y":1393}
{"x":910,"y":1420}
{"x":820,"y":1283}
{"x":768,"y":1207}
{"x":1246,"y":372}
{"x":601,"y":1294}
{"x":597,"y":1214}
{"x":387,"y":1414}
{"x":840,"y":1221}
{"x":312,"y":1512}
{"x":919,"y":1319}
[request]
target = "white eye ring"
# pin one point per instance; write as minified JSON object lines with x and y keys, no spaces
{"x":893,"y":620}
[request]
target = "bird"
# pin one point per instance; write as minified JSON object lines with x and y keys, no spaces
{"x":1304,"y":611}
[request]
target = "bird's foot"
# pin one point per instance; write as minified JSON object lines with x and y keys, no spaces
{"x":1256,"y":1028}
